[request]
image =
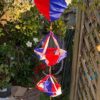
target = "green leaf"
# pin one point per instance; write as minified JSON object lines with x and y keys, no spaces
{"x":17,"y":27}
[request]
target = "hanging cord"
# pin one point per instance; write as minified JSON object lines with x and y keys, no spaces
{"x":59,"y":70}
{"x":50,"y":66}
{"x":62,"y":63}
{"x":51,"y":24}
{"x":50,"y":71}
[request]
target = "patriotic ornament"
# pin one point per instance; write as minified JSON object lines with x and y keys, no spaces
{"x":49,"y":55}
{"x":51,"y":9}
{"x":50,"y":86}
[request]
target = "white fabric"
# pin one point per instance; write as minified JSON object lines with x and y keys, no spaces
{"x":68,"y":1}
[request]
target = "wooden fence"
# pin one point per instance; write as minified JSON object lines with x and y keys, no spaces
{"x":85,"y":82}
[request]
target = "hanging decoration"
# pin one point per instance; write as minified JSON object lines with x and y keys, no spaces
{"x":50,"y":56}
{"x":50,"y":86}
{"x":51,"y":9}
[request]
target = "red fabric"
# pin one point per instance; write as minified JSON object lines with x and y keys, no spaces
{"x":43,"y":7}
{"x":39,"y":88}
{"x":57,"y":85}
{"x":41,"y":81}
{"x":54,"y":88}
{"x":51,"y":57}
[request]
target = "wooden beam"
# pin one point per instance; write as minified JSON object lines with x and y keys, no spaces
{"x":76,"y":55}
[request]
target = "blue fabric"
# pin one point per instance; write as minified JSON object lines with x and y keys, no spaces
{"x":57,"y":7}
{"x":62,"y":56}
{"x":48,"y":87}
{"x":39,"y":50}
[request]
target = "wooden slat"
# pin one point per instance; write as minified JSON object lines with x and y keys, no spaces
{"x":89,"y":64}
{"x":86,"y":88}
{"x":89,"y":61}
{"x":87,"y":43}
{"x":82,"y":90}
{"x":76,"y":52}
{"x":97,"y":35}
{"x":97,"y":15}
{"x":89,"y":82}
{"x":98,"y":88}
{"x":87,"y":26}
{"x":79,"y":95}
{"x":87,"y":58}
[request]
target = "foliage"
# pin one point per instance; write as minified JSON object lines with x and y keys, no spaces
{"x":4,"y":76}
{"x":4,"y":5}
{"x":10,"y":10}
{"x":18,"y":60}
{"x":17,"y":8}
{"x":32,"y":23}
{"x":17,"y":35}
{"x":5,"y":65}
{"x":1,"y":32}
{"x":43,"y":96}
{"x":21,"y":30}
{"x":81,"y":5}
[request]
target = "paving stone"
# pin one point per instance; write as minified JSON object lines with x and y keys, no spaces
{"x":29,"y":94}
{"x":12,"y":98}
{"x":13,"y":90}
{"x":19,"y":91}
{"x":32,"y":94}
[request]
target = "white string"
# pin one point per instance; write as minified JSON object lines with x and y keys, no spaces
{"x":53,"y":82}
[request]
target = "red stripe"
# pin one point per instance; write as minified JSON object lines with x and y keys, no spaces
{"x":44,"y":7}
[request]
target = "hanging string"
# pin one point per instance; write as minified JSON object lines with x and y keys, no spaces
{"x":50,"y":73}
{"x":50,"y":70}
{"x":51,"y":26}
{"x":50,"y":98}
{"x":50,"y":30}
